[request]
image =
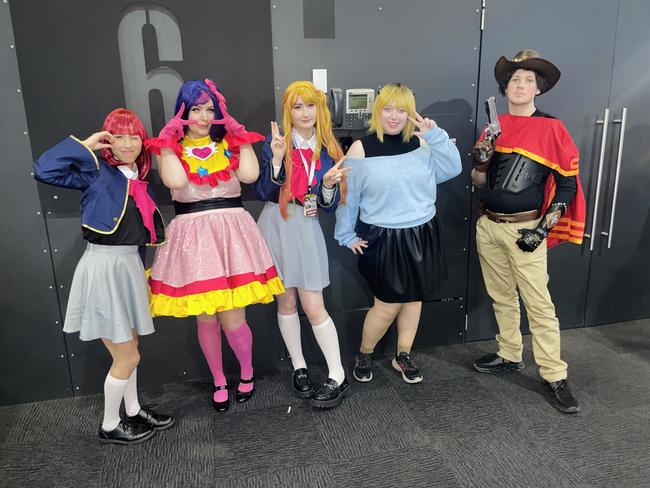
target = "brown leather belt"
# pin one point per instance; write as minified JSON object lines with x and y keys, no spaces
{"x":503,"y":218}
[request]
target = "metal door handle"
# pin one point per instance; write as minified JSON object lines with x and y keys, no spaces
{"x":621,"y":141}
{"x":601,"y":160}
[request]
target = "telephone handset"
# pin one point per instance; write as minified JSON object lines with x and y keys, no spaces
{"x":354,"y":111}
{"x":336,"y":106}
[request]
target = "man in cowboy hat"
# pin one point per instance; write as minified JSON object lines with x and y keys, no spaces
{"x":533,"y":200}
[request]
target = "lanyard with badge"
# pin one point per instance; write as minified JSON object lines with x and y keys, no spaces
{"x":310,"y":200}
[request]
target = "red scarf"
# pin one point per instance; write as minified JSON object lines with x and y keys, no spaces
{"x":547,"y":142}
{"x":299,"y":184}
{"x":144,"y":203}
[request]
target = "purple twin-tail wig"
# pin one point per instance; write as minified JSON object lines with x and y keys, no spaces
{"x":196,"y":92}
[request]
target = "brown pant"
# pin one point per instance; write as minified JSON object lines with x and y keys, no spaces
{"x":505,"y":268}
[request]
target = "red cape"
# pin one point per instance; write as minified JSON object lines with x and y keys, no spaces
{"x":547,"y":142}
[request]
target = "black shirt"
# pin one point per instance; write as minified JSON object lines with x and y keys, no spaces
{"x":130,"y":232}
{"x":392,"y":145}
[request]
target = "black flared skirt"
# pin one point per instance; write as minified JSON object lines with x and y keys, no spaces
{"x":403,"y":265}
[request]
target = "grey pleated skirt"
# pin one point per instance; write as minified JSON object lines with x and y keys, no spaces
{"x":109,"y":295}
{"x":297,"y":246}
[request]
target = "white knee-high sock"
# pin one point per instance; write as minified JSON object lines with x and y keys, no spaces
{"x":328,"y":340}
{"x":131,"y":403}
{"x":290,"y":330}
{"x":113,"y":394}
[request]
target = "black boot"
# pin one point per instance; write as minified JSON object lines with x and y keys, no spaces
{"x":563,"y":399}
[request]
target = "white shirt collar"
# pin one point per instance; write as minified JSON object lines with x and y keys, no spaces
{"x":128,"y":172}
{"x":300,"y":143}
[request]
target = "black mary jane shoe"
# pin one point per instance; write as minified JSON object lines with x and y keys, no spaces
{"x":221,"y":406}
{"x":302,"y":387}
{"x":159,"y":421}
{"x":244,"y":396}
{"x":330,"y":394}
{"x":126,"y":433}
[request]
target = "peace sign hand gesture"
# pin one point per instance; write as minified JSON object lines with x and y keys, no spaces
{"x":335,"y":174}
{"x":423,"y":124}
{"x":99,"y":140}
{"x":278,"y":143}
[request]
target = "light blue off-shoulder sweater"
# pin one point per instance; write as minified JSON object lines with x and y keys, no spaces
{"x":397,"y":191}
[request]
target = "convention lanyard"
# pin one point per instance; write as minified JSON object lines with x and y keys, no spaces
{"x":309,"y":170}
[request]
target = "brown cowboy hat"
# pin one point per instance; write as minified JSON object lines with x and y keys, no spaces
{"x":528,"y":59}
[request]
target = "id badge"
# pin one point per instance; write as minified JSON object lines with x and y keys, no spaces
{"x":310,"y":204}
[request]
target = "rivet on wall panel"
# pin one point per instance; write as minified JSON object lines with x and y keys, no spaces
{"x":275,"y":47}
{"x":11,"y":46}
{"x":25,"y":132}
{"x":274,"y":5}
{"x":60,"y":286}
{"x":31,"y":173}
{"x":473,"y":84}
{"x":56,"y":250}
{"x":56,"y":197}
{"x":62,"y":356}
{"x":50,"y":287}
{"x":56,"y":322}
{"x":18,"y":90}
{"x":44,"y":250}
{"x":76,"y":387}
{"x":71,"y":354}
{"x":475,"y":48}
{"x":38,"y":213}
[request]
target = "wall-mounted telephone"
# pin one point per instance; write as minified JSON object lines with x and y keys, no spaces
{"x":352,"y":111}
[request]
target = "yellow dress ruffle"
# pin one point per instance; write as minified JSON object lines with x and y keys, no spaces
{"x":215,"y":301}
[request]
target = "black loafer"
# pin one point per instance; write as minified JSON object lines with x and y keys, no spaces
{"x":244,"y":396}
{"x":221,"y":406}
{"x":126,"y":433}
{"x":330,"y":394}
{"x":158,"y":421}
{"x":301,"y":384}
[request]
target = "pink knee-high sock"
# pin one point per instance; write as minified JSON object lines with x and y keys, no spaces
{"x":241,"y":343}
{"x":209,"y":334}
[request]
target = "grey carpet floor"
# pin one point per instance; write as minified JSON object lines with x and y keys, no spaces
{"x":458,"y":428}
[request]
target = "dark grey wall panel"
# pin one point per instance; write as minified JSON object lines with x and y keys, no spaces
{"x":74,"y":76}
{"x":84,"y":66}
{"x":33,"y":362}
{"x":579,"y":99}
{"x":433,"y":48}
{"x":619,"y":284}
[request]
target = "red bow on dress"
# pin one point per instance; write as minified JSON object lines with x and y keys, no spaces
{"x":299,"y":184}
{"x":144,"y":203}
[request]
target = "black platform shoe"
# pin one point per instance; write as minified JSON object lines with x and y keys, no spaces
{"x":301,"y":385}
{"x":158,"y":421}
{"x":242,"y":396}
{"x":126,"y":433}
{"x":330,"y":394}
{"x":221,"y":406}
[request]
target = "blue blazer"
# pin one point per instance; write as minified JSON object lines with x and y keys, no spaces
{"x":105,"y":189}
{"x":267,"y":189}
